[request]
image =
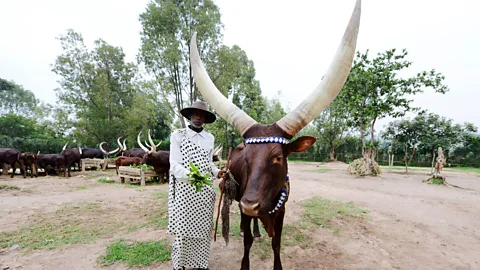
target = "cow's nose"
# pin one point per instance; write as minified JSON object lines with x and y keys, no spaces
{"x":250,"y":209}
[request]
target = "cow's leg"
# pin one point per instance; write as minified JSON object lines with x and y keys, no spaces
{"x":13,"y":168}
{"x":247,"y":241}
{"x":22,"y":165}
{"x":256,"y":230}
{"x":69,"y":167}
{"x":277,"y":239}
{"x":241,"y":228}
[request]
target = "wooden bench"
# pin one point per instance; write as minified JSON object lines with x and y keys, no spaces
{"x":134,"y":173}
{"x":108,"y":162}
{"x":91,"y":162}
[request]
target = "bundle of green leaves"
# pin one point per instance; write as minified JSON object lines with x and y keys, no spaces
{"x":197,"y":179}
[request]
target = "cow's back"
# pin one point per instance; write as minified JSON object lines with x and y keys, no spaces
{"x":7,"y":155}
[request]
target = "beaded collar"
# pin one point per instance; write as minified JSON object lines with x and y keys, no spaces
{"x":283,"y":197}
{"x":274,"y":139}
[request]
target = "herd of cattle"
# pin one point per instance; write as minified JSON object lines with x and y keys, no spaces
{"x":68,"y":157}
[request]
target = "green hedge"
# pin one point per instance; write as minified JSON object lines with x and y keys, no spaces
{"x":33,"y":144}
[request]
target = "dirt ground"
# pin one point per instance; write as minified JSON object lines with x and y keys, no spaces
{"x":412,"y":225}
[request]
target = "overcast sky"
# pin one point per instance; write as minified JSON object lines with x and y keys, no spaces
{"x":290,"y":42}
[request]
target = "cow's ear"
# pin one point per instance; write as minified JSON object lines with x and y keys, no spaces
{"x":301,"y":144}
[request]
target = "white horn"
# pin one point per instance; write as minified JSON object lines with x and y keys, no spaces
{"x":124,"y":145}
{"x":331,"y":83}
{"x":114,"y":151}
{"x":140,"y":143}
{"x":154,"y":147}
{"x":103,"y":150}
{"x":65,"y":146}
{"x":119,"y":143}
{"x":226,"y":109}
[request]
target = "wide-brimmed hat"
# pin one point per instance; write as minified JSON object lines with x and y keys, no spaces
{"x":199,"y":106}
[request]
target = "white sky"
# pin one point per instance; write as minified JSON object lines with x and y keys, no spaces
{"x":290,"y":44}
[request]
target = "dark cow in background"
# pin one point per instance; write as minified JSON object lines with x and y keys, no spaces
{"x":12,"y":156}
{"x":30,"y":161}
{"x":134,"y":152}
{"x":91,"y":153}
{"x":55,"y":161}
{"x":72,"y":156}
{"x":159,"y":160}
{"x":259,"y":164}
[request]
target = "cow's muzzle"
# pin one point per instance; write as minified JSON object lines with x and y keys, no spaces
{"x":250,"y":209}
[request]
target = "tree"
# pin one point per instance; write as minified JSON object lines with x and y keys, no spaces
{"x":406,"y":133}
{"x":167,"y":27}
{"x":437,"y":132}
{"x":233,"y":73}
{"x":16,"y":100}
{"x":424,"y":134}
{"x":274,"y":110}
{"x":375,"y":90}
{"x":467,"y":152}
{"x":12,"y":125}
{"x":100,"y":89}
{"x":332,"y":126}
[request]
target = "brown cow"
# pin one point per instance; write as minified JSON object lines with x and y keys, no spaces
{"x":72,"y":156}
{"x":12,"y":156}
{"x":30,"y":161}
{"x":260,"y":162}
{"x":127,"y":161}
{"x":160,"y":160}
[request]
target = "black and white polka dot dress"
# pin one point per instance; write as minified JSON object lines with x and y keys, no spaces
{"x":190,"y":214}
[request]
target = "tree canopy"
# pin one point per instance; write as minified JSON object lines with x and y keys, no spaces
{"x":374,"y":89}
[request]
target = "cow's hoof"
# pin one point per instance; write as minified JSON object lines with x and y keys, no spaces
{"x":257,"y":237}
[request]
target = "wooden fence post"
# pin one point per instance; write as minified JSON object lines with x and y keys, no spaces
{"x":142,"y":178}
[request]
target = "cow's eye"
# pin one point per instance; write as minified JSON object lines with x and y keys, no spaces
{"x":277,"y":159}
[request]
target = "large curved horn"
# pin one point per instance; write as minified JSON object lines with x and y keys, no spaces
{"x":114,"y":151}
{"x":331,"y":83}
{"x":140,"y":143}
{"x":224,"y":107}
{"x":120,"y":144}
{"x":154,"y":147}
{"x":65,"y":146}
{"x":79,"y":149}
{"x":38,"y":153}
{"x":124,"y":145}
{"x":103,"y":150}
{"x":217,"y":150}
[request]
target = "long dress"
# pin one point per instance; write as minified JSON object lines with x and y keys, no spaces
{"x":190,"y":214}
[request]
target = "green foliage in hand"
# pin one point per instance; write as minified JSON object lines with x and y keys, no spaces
{"x":197,"y":179}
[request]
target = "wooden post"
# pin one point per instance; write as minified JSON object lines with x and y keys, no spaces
{"x":142,"y":178}
{"x":83,"y":167}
